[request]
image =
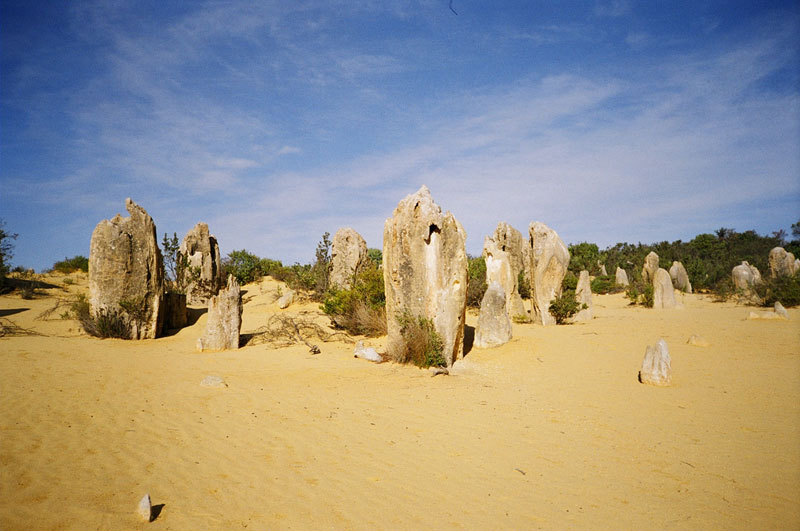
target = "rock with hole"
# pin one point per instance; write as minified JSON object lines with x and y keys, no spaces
{"x":425,"y":272}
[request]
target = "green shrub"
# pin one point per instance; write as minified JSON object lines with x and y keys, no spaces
{"x":640,"y":292}
{"x":476,"y":281}
{"x":584,"y":256}
{"x":361,"y":309}
{"x":785,"y":290}
{"x":243,"y":265}
{"x":604,"y":284}
{"x":107,"y":323}
{"x":570,"y":282}
{"x":423,"y":346}
{"x":565,"y":306}
{"x":376,"y":255}
{"x":70,"y":265}
{"x":523,"y":285}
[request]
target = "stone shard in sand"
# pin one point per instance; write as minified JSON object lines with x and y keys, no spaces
{"x":366,"y":353}
{"x":425,"y":272}
{"x":145,"y":509}
{"x":650,"y":267}
{"x":782,"y":263}
{"x":286,"y":299}
{"x":348,"y":257}
{"x":663,"y":292}
{"x":549,"y":261}
{"x":697,"y":341}
{"x":224,"y":319}
{"x":621,"y":277}
{"x":504,"y":257}
{"x":656,"y":365}
{"x":125,"y":266}
{"x":494,"y":326}
{"x":583,"y":294}
{"x":780,"y":310}
{"x":680,"y":278}
{"x":203,"y":276}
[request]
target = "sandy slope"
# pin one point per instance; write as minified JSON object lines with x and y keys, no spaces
{"x":549,"y":431}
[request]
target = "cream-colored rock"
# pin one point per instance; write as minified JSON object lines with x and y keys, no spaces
{"x":780,"y":310}
{"x":663,"y":292}
{"x":494,"y":325}
{"x":348,"y":257}
{"x":765,"y":316}
{"x":680,"y":278}
{"x":745,"y":278}
{"x":782,"y":263}
{"x":504,"y":267}
{"x":549,"y":261}
{"x":145,"y":510}
{"x":650,"y":267}
{"x":603,"y":270}
{"x":203,"y":276}
{"x":621,"y":277}
{"x":224,"y":319}
{"x":125,"y":266}
{"x":583,"y":294}
{"x":286,"y":299}
{"x":697,"y":341}
{"x":425,"y":272}
{"x":656,"y":365}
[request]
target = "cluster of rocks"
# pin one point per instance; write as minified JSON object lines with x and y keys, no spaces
{"x":782,"y":263}
{"x":127,"y":278}
{"x":664,"y":282}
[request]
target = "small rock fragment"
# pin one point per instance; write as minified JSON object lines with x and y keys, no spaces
{"x":697,"y":341}
{"x":436,"y":371}
{"x":145,"y":510}
{"x":765,"y":316}
{"x":780,"y":310}
{"x":213,"y":381}
{"x":366,"y":353}
{"x":286,"y":300}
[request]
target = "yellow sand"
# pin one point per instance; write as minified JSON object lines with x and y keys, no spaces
{"x":550,"y":431}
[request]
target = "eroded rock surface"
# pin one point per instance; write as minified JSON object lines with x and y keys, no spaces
{"x":348,"y":257}
{"x":224,"y":319}
{"x":650,"y":267}
{"x":663,"y":292}
{"x":203,"y":276}
{"x":680,"y":278}
{"x":549,"y":262}
{"x":494,"y":325}
{"x":126,"y":269}
{"x":425,"y":271}
{"x":621,"y":277}
{"x":583,"y":294}
{"x":782,"y":263}
{"x":656,"y":365}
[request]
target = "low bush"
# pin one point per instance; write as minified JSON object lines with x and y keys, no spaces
{"x":361,"y":309}
{"x":605,"y":284}
{"x":423,"y":346}
{"x":565,"y":306}
{"x":476,"y":281}
{"x":785,"y":290}
{"x":107,"y":323}
{"x":70,"y":265}
{"x":640,"y":292}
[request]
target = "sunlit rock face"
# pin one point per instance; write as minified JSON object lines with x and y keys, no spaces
{"x":425,"y":271}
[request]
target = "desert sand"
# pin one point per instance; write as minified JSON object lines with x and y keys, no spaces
{"x":550,"y":431}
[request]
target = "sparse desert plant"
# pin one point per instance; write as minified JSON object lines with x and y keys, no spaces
{"x":476,"y":281}
{"x":523,"y":285}
{"x":136,"y":309}
{"x":68,"y":281}
{"x":70,"y":265}
{"x":565,"y":306}
{"x":6,"y":251}
{"x":422,"y":344}
{"x":604,"y":284}
{"x":521,"y":319}
{"x":785,"y":290}
{"x":107,"y":322}
{"x":640,"y":292}
{"x":360,"y":309}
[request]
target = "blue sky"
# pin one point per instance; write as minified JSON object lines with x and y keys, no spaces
{"x":276,"y":121}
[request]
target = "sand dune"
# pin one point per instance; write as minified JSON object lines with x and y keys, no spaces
{"x":550,"y":431}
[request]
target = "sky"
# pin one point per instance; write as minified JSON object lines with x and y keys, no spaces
{"x":277,"y":121}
